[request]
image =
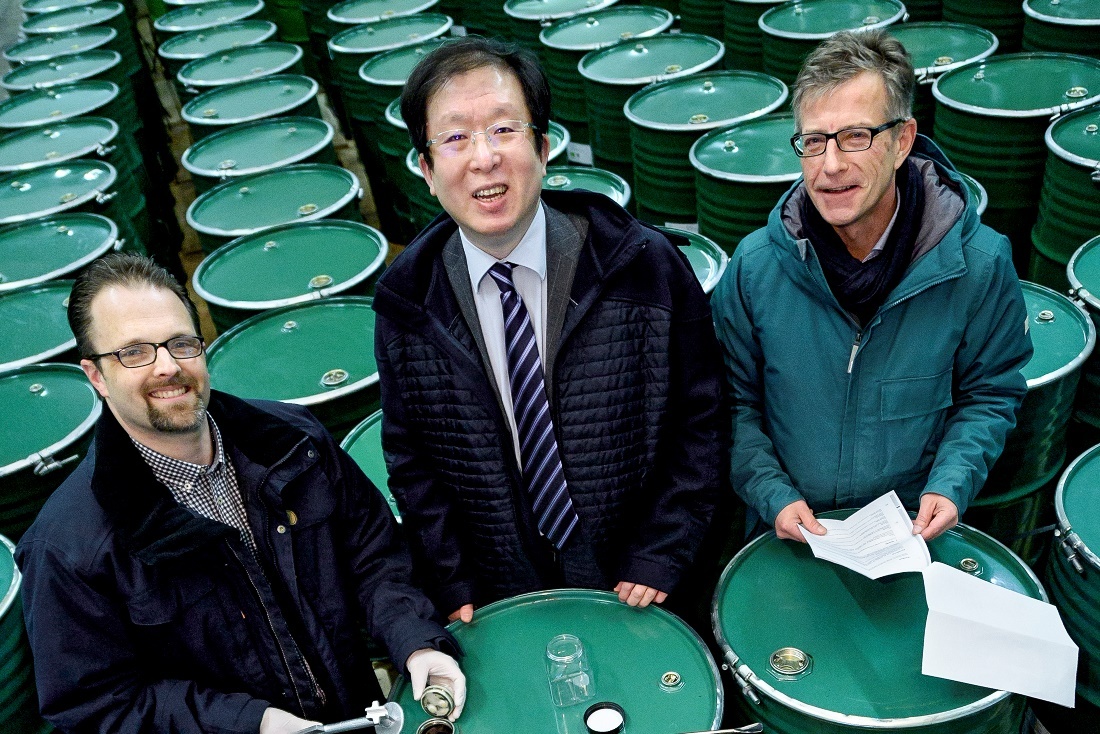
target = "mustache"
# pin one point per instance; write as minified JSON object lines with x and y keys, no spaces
{"x":179,"y":380}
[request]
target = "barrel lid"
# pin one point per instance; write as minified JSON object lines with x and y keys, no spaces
{"x":755,"y":151}
{"x":978,"y":193}
{"x":1021,"y":85}
{"x":559,"y":140}
{"x":392,"y":68}
{"x":297,"y":193}
{"x":590,"y":31}
{"x":665,"y":56}
{"x":708,"y":261}
{"x":197,"y":44}
{"x":10,"y":578}
{"x":863,"y":638}
{"x":46,"y":106}
{"x":77,"y":137}
{"x":250,"y":100}
{"x":63,"y":70}
{"x":43,"y":249}
{"x":53,"y":405}
{"x":386,"y":35}
{"x":1064,"y":12}
{"x":239,"y":64}
{"x":305,"y":354}
{"x":364,"y":446}
{"x":51,"y":189}
{"x":40,"y":48}
{"x":34,"y":324}
{"x":1061,"y":331}
{"x":251,"y":147}
{"x":819,"y":19}
{"x":1075,"y":138}
{"x":567,"y":178}
{"x":1077,"y":505}
{"x":393,"y":114}
{"x":1083,"y":273}
{"x":70,"y":19}
{"x":705,"y":101}
{"x":354,"y":12}
{"x":292,"y":263}
{"x":206,"y":15}
{"x":32,"y":7}
{"x":936,"y":47}
{"x":540,"y":10}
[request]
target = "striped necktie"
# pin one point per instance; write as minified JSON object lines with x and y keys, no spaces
{"x":538,"y":447}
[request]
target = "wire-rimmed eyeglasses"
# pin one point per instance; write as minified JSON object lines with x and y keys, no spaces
{"x":849,"y":140}
{"x":145,"y":353}
{"x":499,"y":135}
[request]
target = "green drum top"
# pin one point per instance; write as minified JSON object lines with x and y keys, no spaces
{"x":757,"y":151}
{"x":978,"y":194}
{"x":706,"y":100}
{"x":819,"y":19}
{"x":30,"y":194}
{"x":295,"y":193}
{"x":392,"y":68}
{"x":364,"y":445}
{"x":1077,"y":503}
{"x":629,"y":651}
{"x":1076,"y":137}
{"x":41,"y":146}
{"x":31,"y":7}
{"x":199,"y":44}
{"x":207,"y":15}
{"x":250,"y":100}
{"x":45,"y":106}
{"x":304,"y":354}
{"x":588,"y":32}
{"x":938,"y":47}
{"x":239,"y":64}
{"x":44,"y":249}
{"x":291,"y":264}
{"x":63,"y":70}
{"x":53,"y":404}
{"x":1083,"y":272}
{"x":652,"y":59}
{"x":559,"y":140}
{"x":708,"y":260}
{"x":354,"y":12}
{"x":1021,"y":85}
{"x":538,"y":10}
{"x":567,"y":178}
{"x":34,"y":324}
{"x":255,"y":146}
{"x":865,"y":637}
{"x":72,"y":18}
{"x":1062,"y":333}
{"x":404,"y":30}
{"x":1064,"y":12}
{"x":393,"y":114}
{"x":41,"y":48}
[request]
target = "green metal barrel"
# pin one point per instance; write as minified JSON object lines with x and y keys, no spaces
{"x":255,"y":147}
{"x":182,"y":48}
{"x":42,"y":107}
{"x":1003,"y":17}
{"x":240,"y":64}
{"x":613,"y":74}
{"x":742,"y":35}
{"x":647,"y":661}
{"x":48,"y":248}
{"x":708,"y":260}
{"x":287,"y":265}
{"x":106,"y":13}
{"x":364,"y":445}
{"x":937,"y":48}
{"x":1014,"y":95}
{"x":54,"y":407}
{"x":54,"y":45}
{"x":77,"y":137}
{"x":299,"y":193}
{"x":1067,"y":26}
{"x":703,"y":16}
{"x":1018,"y":496}
{"x":258,"y":99}
{"x":318,"y":354}
{"x":423,"y":207}
{"x":205,"y":17}
{"x":862,"y":640}
{"x":34,"y":7}
{"x":104,"y":64}
{"x":356,"y":12}
{"x":528,"y":18}
{"x":567,"y":41}
{"x":18,"y":698}
{"x":486,"y":18}
{"x":976,"y":192}
{"x":382,"y":77}
{"x":392,"y":140}
{"x":740,"y":173}
{"x":567,"y":178}
{"x":34,"y":325}
{"x":668,"y":117}
{"x":1083,"y":273}
{"x":792,"y":30}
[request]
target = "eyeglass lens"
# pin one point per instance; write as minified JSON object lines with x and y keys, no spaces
{"x":139,"y":355}
{"x":503,"y":134}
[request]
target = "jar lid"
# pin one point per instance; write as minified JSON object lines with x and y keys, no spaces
{"x":605,"y":718}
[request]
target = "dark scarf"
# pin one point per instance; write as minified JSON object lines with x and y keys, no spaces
{"x":862,"y":287}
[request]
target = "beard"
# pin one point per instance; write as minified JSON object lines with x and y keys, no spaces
{"x":179,"y":418}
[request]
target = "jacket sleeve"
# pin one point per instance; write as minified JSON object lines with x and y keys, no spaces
{"x":89,"y":674}
{"x":755,"y":470}
{"x":988,"y":385}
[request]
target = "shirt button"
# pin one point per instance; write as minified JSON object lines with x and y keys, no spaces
{"x":311,"y":453}
{"x":281,"y":529}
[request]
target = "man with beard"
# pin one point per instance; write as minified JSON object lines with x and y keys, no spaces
{"x":209,"y":565}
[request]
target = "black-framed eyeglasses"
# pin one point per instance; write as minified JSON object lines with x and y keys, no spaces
{"x":145,"y":353}
{"x":849,"y":140}
{"x":499,"y":135}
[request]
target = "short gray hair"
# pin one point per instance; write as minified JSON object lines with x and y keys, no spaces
{"x":844,"y":56}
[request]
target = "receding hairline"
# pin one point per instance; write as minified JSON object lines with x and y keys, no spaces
{"x":135,"y":286}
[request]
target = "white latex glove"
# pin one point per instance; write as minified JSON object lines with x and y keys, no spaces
{"x":431,"y":667}
{"x":277,"y":721}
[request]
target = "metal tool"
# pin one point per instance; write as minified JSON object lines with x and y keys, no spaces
{"x":386,"y":719}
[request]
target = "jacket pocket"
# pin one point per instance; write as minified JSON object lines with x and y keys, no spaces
{"x":913,"y":412}
{"x":160,"y":605}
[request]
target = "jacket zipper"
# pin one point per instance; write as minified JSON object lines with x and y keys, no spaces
{"x":855,"y":348}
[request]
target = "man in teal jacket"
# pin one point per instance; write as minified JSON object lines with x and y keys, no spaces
{"x":875,"y":330}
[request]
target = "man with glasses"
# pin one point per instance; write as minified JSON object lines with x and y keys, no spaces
{"x":874,"y":330}
{"x":551,"y":382}
{"x":210,"y":564}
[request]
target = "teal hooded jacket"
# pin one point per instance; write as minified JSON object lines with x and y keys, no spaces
{"x":919,"y":399}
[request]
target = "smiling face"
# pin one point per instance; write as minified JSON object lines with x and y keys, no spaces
{"x":854,"y":192}
{"x":492,"y":194}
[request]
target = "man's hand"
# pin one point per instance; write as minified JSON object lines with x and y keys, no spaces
{"x":637,"y":595}
{"x":277,"y":721}
{"x":464,"y":612}
{"x":793,"y":515}
{"x":937,"y":514}
{"x":431,"y":667}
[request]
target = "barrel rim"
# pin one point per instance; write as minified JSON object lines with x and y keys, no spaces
{"x":354,"y":192}
{"x":81,"y":153}
{"x":83,"y":427}
{"x":376,"y":59}
{"x":295,"y":57}
{"x":739,"y":177}
{"x":1077,"y":288}
{"x":689,"y":127}
{"x":110,"y":242}
{"x":1090,"y":337}
{"x":983,"y":195}
{"x":717,"y":252}
{"x":1061,"y":152}
{"x":109,"y":34}
{"x":321,"y":293}
{"x":10,"y":593}
{"x":597,"y":5}
{"x":191,"y":119}
{"x":112,"y":178}
{"x":566,"y":138}
{"x":665,"y":23}
{"x":163,"y":23}
{"x":794,"y":35}
{"x":360,"y":428}
{"x":563,"y":169}
{"x":267,"y":32}
{"x":51,"y":352}
{"x":394,"y":119}
{"x":88,"y":83}
{"x":119,"y":10}
{"x":436,"y":33}
{"x":39,"y":11}
{"x":1060,"y":509}
{"x":927,"y":72}
{"x":701,"y":66}
{"x":222,"y":176}
{"x":1018,"y":114}
{"x":316,"y":398}
{"x":106,"y":52}
{"x":1055,"y":20}
{"x":353,"y":21}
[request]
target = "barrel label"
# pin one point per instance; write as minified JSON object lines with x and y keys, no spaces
{"x":579,"y":153}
